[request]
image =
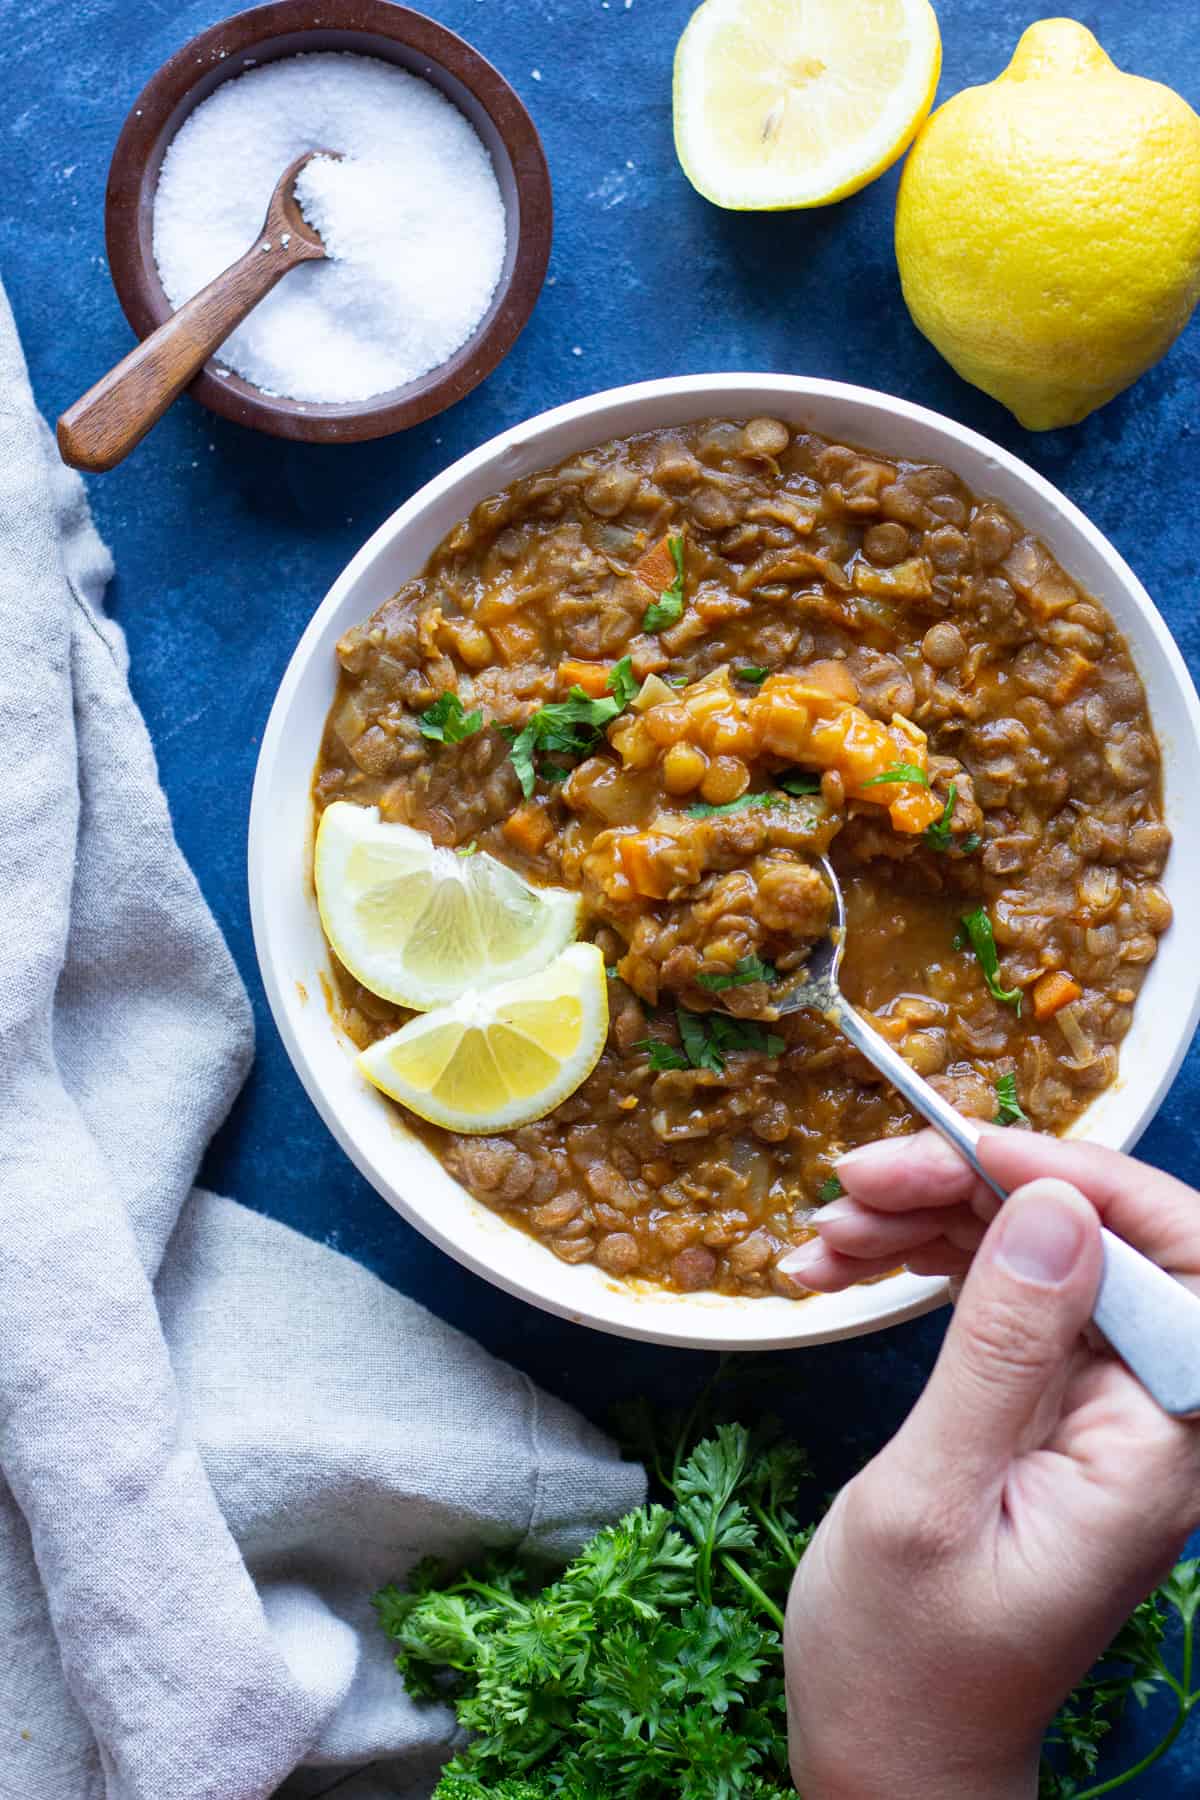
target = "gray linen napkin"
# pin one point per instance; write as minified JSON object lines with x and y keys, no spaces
{"x":216,"y":1438}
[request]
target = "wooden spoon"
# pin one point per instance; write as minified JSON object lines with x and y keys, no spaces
{"x":102,"y":428}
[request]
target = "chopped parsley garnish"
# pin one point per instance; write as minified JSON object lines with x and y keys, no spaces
{"x":796,"y":782}
{"x":799,"y":781}
{"x":707,"y":1037}
{"x":1008,"y":1108}
{"x":446,"y":721}
{"x":744,"y":971}
{"x":939,"y":835}
{"x":830,"y":1189}
{"x":568,"y":728}
{"x":901,"y":772}
{"x":752,"y":673}
{"x":471,"y":849}
{"x":668,"y":608}
{"x":702,"y":810}
{"x":622,"y":683}
{"x":976,"y":932}
{"x":677,"y":680}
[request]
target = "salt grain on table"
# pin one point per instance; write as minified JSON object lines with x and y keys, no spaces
{"x":412,"y":217}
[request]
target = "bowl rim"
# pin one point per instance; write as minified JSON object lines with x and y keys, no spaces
{"x":461,"y":1228}
{"x":130,"y":186}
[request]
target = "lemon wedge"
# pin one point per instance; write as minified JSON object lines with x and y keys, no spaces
{"x":791,"y":103}
{"x":417,"y":924}
{"x":499,"y":1056}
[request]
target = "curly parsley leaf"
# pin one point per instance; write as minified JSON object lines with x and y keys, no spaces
{"x":446,"y":722}
{"x":568,"y":728}
{"x":651,"y":1668}
{"x":668,"y":608}
{"x":753,"y":674}
{"x":1008,"y":1108}
{"x":900,"y":772}
{"x":976,"y":931}
{"x":830,"y":1189}
{"x":746,"y":970}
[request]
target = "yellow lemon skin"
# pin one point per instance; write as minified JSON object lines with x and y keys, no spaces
{"x":1048,"y":227}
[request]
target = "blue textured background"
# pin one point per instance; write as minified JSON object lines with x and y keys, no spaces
{"x":225,"y":541}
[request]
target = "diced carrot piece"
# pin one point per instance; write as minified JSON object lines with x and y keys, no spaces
{"x":1053,"y":991}
{"x":786,"y":726}
{"x":592,"y":677}
{"x":657,"y":567}
{"x":1073,"y":673}
{"x":528,"y":829}
{"x":914,"y":807}
{"x":647,"y":873}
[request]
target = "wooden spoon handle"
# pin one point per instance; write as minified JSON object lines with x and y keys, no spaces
{"x":102,"y":428}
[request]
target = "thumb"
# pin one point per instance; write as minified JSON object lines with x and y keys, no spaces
{"x":1027,"y":1298}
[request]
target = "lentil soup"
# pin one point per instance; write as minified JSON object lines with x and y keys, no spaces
{"x":800,"y":647}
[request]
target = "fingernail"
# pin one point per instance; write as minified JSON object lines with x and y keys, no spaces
{"x":834,"y":1210}
{"x":796,"y":1261}
{"x":1041,"y":1233}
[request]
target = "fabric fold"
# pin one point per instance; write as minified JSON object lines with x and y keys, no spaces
{"x":201,"y":1487}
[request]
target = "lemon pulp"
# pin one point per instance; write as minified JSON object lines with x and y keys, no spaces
{"x":795,"y":103}
{"x":500,"y":1056}
{"x":417,"y":924}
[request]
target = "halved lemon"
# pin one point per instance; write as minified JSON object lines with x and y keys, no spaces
{"x":791,"y":103}
{"x":499,"y":1056}
{"x":417,"y":924}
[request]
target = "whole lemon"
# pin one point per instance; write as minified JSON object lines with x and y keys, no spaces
{"x":1048,"y":227}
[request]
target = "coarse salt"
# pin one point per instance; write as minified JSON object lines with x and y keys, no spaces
{"x":412,"y":217}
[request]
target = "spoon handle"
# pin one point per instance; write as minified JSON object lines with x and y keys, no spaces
{"x":104,"y":425}
{"x":1151,"y":1320}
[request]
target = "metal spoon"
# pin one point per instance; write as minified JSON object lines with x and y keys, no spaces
{"x":1151,"y":1320}
{"x":102,"y":428}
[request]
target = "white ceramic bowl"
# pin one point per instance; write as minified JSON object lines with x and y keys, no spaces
{"x":287,"y":932}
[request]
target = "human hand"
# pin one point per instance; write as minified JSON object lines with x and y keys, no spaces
{"x":987,"y":1556}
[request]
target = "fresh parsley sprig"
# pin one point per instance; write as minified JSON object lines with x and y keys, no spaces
{"x":446,"y":722}
{"x":568,"y":729}
{"x":976,"y":932}
{"x":668,"y":608}
{"x":652,"y":1668}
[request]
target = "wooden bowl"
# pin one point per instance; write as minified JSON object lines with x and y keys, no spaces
{"x":369,"y":28}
